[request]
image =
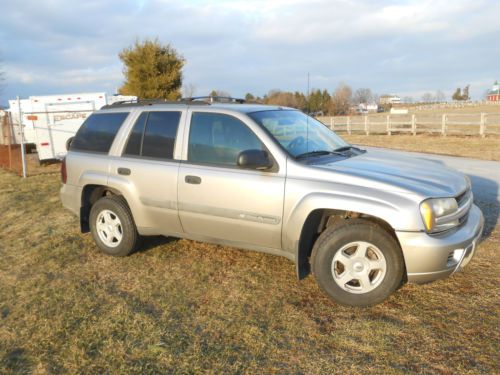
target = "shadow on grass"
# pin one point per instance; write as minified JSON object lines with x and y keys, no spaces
{"x":17,"y":361}
{"x":150,"y":242}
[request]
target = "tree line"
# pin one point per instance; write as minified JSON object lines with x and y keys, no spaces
{"x":154,"y":71}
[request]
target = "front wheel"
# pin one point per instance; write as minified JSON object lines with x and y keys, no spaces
{"x":357,"y":263}
{"x":112,"y":226}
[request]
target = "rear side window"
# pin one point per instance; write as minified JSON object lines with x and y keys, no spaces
{"x":153,"y":135}
{"x":134,"y":143}
{"x":98,"y":132}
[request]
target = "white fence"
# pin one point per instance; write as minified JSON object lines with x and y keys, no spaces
{"x":480,"y":124}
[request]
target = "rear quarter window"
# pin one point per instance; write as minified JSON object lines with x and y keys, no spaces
{"x":98,"y":132}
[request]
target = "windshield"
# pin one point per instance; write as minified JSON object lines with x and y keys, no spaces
{"x":298,"y":133}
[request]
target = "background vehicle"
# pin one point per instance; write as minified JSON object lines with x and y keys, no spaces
{"x":49,"y":121}
{"x":270,"y":179}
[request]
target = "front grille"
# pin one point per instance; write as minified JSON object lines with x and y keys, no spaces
{"x":462,"y":198}
{"x":464,"y":202}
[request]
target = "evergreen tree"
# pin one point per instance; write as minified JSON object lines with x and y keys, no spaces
{"x":152,"y":71}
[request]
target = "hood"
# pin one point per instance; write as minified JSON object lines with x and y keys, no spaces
{"x":414,"y":174}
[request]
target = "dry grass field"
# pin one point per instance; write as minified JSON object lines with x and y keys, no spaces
{"x":179,"y":306}
{"x":471,"y":147}
{"x":433,"y":109}
{"x":438,"y":110}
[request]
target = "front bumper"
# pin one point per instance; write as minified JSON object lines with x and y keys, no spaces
{"x":429,"y":258}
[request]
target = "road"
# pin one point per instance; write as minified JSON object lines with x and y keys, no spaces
{"x":485,"y":175}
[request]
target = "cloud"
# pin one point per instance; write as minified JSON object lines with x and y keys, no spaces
{"x":238,"y":46}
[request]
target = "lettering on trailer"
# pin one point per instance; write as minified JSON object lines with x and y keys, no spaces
{"x":70,"y":116}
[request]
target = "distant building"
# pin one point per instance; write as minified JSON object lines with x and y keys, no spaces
{"x":364,"y":108}
{"x":390,"y":99}
{"x":494,"y":94}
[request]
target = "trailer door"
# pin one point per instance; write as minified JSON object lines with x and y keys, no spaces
{"x":57,"y":124}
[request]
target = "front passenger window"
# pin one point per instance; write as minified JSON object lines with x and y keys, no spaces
{"x":218,"y":139}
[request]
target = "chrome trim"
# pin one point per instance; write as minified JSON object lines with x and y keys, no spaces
{"x":462,"y":211}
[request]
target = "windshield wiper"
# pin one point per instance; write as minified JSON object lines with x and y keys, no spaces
{"x":318,"y":153}
{"x":345,"y":148}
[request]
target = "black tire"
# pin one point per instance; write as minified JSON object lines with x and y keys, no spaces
{"x":129,"y":236}
{"x":334,"y":239}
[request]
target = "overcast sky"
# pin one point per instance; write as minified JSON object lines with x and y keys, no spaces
{"x":402,"y":47}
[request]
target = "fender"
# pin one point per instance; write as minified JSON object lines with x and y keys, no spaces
{"x":93,"y":178}
{"x":389,"y":211}
{"x":131,"y":195}
{"x":125,"y":187}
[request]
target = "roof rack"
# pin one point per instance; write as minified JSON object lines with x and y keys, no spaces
{"x":145,"y":102}
{"x":214,"y":99}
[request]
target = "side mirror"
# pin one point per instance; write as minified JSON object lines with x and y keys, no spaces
{"x":254,"y":159}
{"x":68,"y":143}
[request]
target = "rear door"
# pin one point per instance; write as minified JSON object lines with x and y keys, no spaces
{"x":219,"y":200}
{"x":149,"y":166}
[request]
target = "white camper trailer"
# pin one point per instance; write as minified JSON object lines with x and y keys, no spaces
{"x":49,"y":121}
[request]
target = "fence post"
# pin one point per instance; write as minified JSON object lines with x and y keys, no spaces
{"x":348,"y":125}
{"x":388,"y":124}
{"x":23,"y":156}
{"x":367,"y":129}
{"x":482,"y":125}
{"x":413,"y":125}
{"x":443,"y":125}
{"x":331,"y":123}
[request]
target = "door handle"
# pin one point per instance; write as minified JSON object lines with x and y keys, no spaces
{"x":193,"y":180}
{"x":124,"y":171}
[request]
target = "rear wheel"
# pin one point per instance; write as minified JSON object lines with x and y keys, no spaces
{"x":112,"y":226}
{"x":357,"y":263}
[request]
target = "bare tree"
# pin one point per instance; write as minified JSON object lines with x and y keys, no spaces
{"x":427,"y":98}
{"x":188,"y":90}
{"x":341,"y":99}
{"x":457,"y":95}
{"x":220,"y":94}
{"x":363,"y":96}
{"x":440,"y":97}
{"x":465,"y":95}
{"x":287,"y":99}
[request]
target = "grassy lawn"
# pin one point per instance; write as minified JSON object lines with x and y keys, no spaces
{"x":472,"y":147}
{"x":186,"y":307}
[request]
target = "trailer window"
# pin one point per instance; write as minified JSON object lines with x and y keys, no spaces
{"x":98,"y":132}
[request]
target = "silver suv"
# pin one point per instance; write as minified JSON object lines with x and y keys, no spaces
{"x":270,"y":179}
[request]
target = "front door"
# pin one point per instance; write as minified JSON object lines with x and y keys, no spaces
{"x":219,"y":200}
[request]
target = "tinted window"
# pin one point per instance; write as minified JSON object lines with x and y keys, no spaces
{"x":160,"y":133}
{"x":98,"y":132}
{"x":135,"y":138}
{"x":218,"y":139}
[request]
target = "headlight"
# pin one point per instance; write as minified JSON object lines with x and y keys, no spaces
{"x":434,"y":212}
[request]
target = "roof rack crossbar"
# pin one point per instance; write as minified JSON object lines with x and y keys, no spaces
{"x":145,"y":102}
{"x":214,"y":99}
